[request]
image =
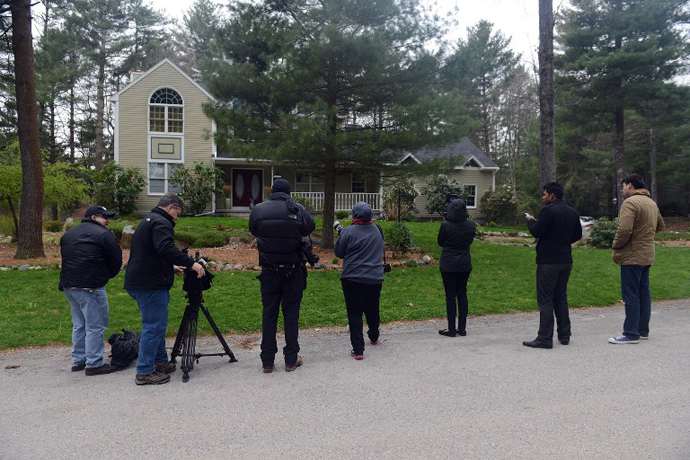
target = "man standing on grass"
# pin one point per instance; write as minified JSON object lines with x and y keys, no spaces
{"x":153,"y":261}
{"x":633,"y":249}
{"x":90,"y":257}
{"x":557,"y":227}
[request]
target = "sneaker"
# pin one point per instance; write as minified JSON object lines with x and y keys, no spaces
{"x":623,"y":339}
{"x":104,"y":369}
{"x":268,"y":368}
{"x":154,"y":378}
{"x":166,"y":368}
{"x":644,"y":337}
{"x":290,"y":368}
{"x":78,"y":367}
{"x":356,"y":356}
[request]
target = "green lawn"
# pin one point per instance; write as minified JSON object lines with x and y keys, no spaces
{"x":33,"y":312}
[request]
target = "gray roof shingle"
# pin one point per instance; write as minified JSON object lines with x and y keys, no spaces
{"x":465,"y":149}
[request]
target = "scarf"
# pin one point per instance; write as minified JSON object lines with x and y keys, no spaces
{"x":361,"y":222}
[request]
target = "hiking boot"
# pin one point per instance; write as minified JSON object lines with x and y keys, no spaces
{"x":290,"y":368}
{"x":357,"y":356}
{"x":166,"y":368}
{"x":623,"y":339}
{"x":268,"y":368}
{"x":104,"y":369}
{"x":78,"y":367}
{"x":154,"y":378}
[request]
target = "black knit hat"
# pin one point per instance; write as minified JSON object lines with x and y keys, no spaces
{"x":280,"y":185}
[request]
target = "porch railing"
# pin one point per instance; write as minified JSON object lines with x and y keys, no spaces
{"x":343,"y":201}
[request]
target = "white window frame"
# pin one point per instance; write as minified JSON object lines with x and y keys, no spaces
{"x":163,"y":134}
{"x":311,"y":181}
{"x":352,"y":180}
{"x":166,"y":174}
{"x":166,"y":106}
{"x":475,"y":195}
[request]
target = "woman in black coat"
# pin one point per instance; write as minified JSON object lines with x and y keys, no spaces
{"x":455,"y":237}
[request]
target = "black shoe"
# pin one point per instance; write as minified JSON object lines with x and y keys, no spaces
{"x":104,"y":369}
{"x":447,"y":333}
{"x":564,"y":341}
{"x":461,"y":333}
{"x":535,"y":344}
{"x":78,"y":367}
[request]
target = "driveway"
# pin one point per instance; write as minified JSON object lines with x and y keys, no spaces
{"x":417,"y":395}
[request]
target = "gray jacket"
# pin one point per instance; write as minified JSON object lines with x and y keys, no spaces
{"x":361,"y":247}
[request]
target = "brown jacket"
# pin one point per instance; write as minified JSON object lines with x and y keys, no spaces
{"x":638,"y":221}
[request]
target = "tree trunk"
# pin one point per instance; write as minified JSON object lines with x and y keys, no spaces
{"x":10,"y":204}
{"x":100,"y":109}
{"x":71,"y":120}
{"x":619,"y":142}
{"x":547,"y":153}
{"x":30,"y":237}
{"x":653,"y":156}
{"x":328,"y":203}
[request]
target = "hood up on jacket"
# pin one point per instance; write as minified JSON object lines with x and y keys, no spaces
{"x":457,"y":211}
{"x":362,"y":211}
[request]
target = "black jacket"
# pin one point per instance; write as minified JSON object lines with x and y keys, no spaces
{"x":557,"y":227}
{"x":153,"y":253}
{"x":279,"y":225}
{"x":455,"y":236}
{"x":90,"y":256}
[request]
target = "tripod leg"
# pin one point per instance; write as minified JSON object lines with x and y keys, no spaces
{"x":218,"y":334}
{"x":189,"y":344}
{"x":177,"y":348}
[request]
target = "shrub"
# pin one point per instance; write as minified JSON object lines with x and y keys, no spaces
{"x":341,"y":214}
{"x":499,"y":205}
{"x":335,"y":261}
{"x":6,"y":225}
{"x":399,"y":239}
{"x":603,"y":232}
{"x":202,"y":239}
{"x":199,"y":184}
{"x":437,"y":191}
{"x":404,"y":191}
{"x":308,"y":203}
{"x":117,"y":187}
{"x":52,"y":226}
{"x":411,"y":263}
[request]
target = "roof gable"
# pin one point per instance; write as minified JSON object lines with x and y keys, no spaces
{"x":143,"y":76}
{"x":466,"y":151}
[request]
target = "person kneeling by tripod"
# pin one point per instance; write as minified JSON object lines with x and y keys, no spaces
{"x":360,"y":246}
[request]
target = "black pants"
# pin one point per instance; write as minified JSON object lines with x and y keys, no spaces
{"x":455,"y":284}
{"x":552,"y":297}
{"x":286,"y":287}
{"x":362,"y":298}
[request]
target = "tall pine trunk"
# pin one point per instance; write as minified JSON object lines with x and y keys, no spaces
{"x":619,"y":141}
{"x":328,"y":202}
{"x":100,"y":110}
{"x":653,"y":158}
{"x":547,"y":153}
{"x":29,"y":238}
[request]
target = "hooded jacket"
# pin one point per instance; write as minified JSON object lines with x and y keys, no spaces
{"x":557,"y":227}
{"x":279,"y":225}
{"x":361,"y":247}
{"x":90,"y":256}
{"x":455,"y":237}
{"x":153,"y":253}
{"x":638,"y":221}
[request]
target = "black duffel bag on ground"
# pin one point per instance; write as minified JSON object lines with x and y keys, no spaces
{"x":124,"y":348}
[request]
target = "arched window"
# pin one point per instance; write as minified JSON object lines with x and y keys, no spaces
{"x":165,"y":111}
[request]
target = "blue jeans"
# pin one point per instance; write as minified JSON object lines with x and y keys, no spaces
{"x":90,"y":321}
{"x":638,"y":300}
{"x":154,"y":322}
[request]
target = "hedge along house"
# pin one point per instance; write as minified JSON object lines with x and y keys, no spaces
{"x":473,"y":169}
{"x":160,"y":125}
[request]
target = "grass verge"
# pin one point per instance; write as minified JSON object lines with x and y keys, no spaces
{"x":34,"y":313}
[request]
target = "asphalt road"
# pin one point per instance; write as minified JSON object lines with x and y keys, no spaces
{"x":417,"y":395}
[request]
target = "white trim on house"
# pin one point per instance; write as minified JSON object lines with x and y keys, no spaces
{"x":493,"y":181}
{"x":116,"y":133}
{"x":165,"y":120}
{"x":409,"y":155}
{"x":115,"y":97}
{"x":480,"y":168}
{"x":475,"y":194}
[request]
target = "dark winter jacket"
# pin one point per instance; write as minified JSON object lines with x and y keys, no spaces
{"x":90,"y":256}
{"x":361,"y":247}
{"x":455,"y":236}
{"x":153,"y":253}
{"x":279,"y":225}
{"x":557,"y":227}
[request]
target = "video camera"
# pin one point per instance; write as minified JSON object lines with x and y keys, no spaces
{"x":308,"y":251}
{"x":194,"y":284}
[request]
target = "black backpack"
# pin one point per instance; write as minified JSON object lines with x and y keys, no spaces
{"x":124,"y":348}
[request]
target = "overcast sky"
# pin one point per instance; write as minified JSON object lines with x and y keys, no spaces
{"x":518,"y":19}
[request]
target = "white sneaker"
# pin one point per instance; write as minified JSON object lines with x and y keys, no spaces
{"x":623,"y":339}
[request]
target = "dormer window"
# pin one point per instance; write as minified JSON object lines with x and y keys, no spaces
{"x":472,"y":164}
{"x":166,"y":111}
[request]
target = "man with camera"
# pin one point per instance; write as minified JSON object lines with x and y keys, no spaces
{"x":557,"y":227}
{"x":279,"y":225}
{"x":153,"y":261}
{"x":90,"y":257}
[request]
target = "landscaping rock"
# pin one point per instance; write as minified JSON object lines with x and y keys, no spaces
{"x":69,"y":221}
{"x":4,"y":269}
{"x":227,"y":267}
{"x":24,"y":267}
{"x":523,"y":234}
{"x":427,"y":259}
{"x":251,"y":267}
{"x":238,"y":267}
{"x":6,"y":240}
{"x":126,"y":238}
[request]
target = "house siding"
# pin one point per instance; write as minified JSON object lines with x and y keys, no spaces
{"x":481,"y":178}
{"x":133,"y":125}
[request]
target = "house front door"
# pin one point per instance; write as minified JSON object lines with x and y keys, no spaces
{"x":247,"y":187}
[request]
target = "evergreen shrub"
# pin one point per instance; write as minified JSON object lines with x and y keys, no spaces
{"x":603,"y":232}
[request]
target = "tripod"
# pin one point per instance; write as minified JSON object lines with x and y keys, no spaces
{"x":185,"y":342}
